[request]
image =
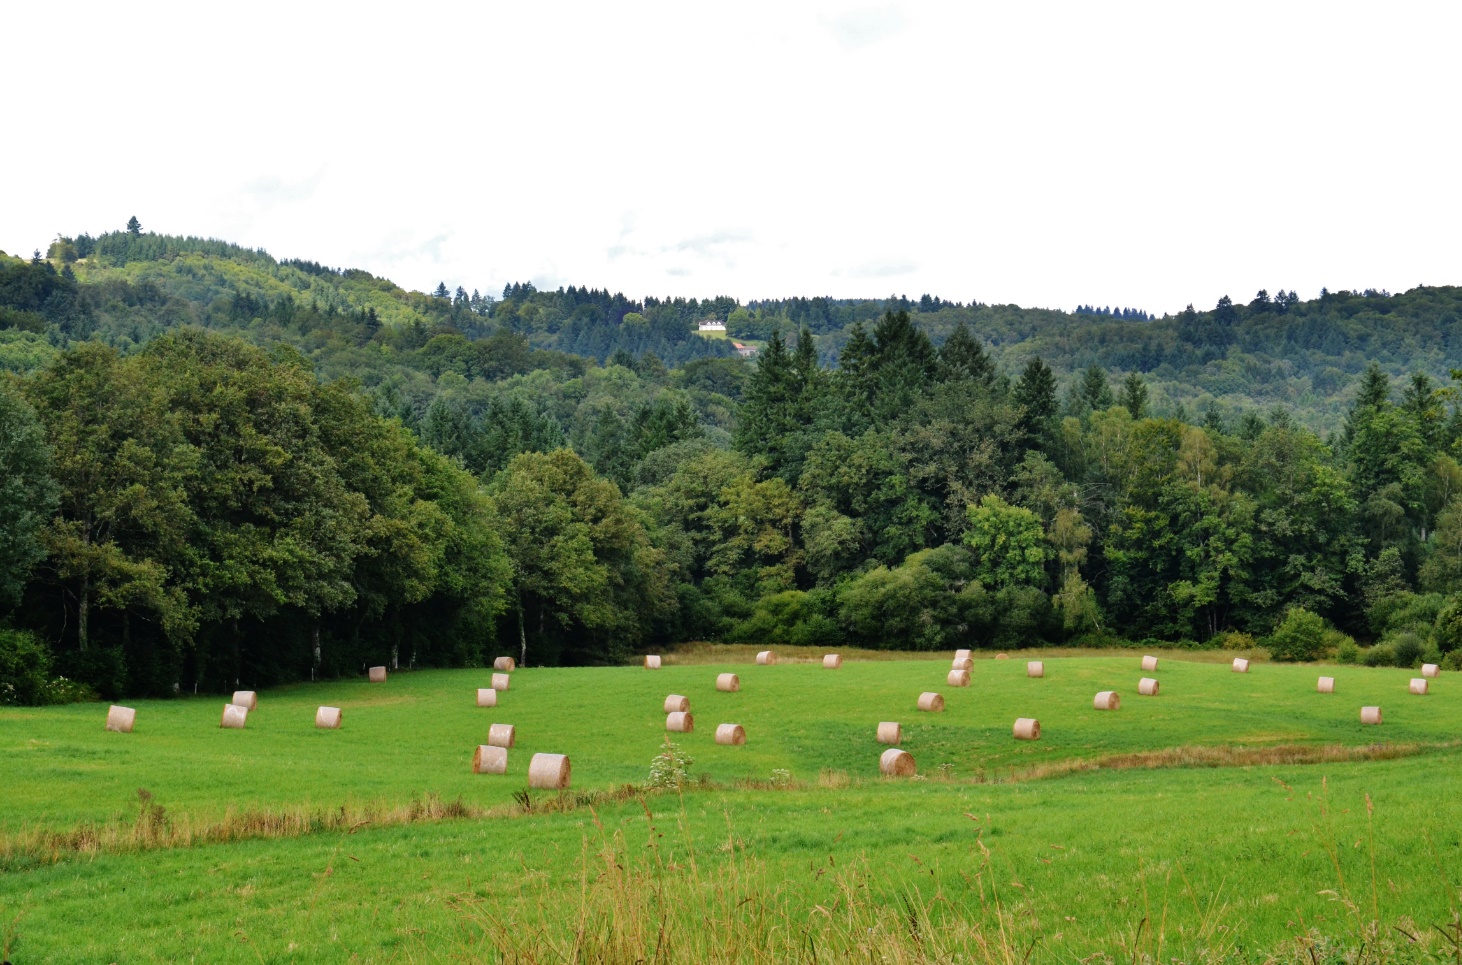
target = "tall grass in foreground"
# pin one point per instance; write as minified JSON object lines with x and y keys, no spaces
{"x":636,"y":905}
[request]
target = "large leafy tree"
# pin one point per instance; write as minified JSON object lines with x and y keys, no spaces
{"x":27,"y":493}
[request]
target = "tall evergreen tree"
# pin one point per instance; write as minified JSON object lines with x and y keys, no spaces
{"x":1134,"y":395}
{"x":963,"y":358}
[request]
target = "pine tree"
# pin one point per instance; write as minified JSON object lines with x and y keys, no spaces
{"x":1035,"y":395}
{"x":963,"y":358}
{"x":441,"y":291}
{"x":134,"y":226}
{"x":1134,"y":396}
{"x":1093,"y":391}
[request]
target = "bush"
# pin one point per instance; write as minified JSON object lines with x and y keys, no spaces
{"x":1335,"y":640}
{"x":1453,"y":660}
{"x":1448,"y":627}
{"x":1234,"y":640}
{"x":1431,"y":654}
{"x":1299,"y":636}
{"x":1379,"y":656}
{"x":25,"y":669}
{"x":1347,"y":652}
{"x":1407,"y":647}
{"x":670,"y":770}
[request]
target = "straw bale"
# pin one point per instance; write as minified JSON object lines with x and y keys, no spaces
{"x":121,"y":719}
{"x":676,"y":704}
{"x":1326,"y":685}
{"x":832,"y":661}
{"x":1370,"y":715}
{"x":1418,"y":685}
{"x":1147,"y":687}
{"x":234,"y":716}
{"x":378,"y":675}
{"x":766,"y":658}
{"x":962,"y":655}
{"x":488,"y":759}
{"x":931,"y":702}
{"x":962,"y":663}
{"x":1241,"y":665}
{"x":1035,"y":669}
{"x":896,"y":763}
{"x":549,"y":772}
{"x":501,"y":681}
{"x":327,"y":718}
{"x":889,"y":732}
{"x":502,"y":735}
{"x":958,"y":678}
{"x":1107,"y":700}
{"x":728,"y":682}
{"x":1149,"y":664}
{"x":1027,"y":729}
{"x":680,"y":721}
{"x":486,"y":697}
{"x":730,"y":734}
{"x":246,"y":699}
{"x":1430,"y":670}
{"x":1001,"y":656}
{"x":505,"y":664}
{"x":652,"y":661}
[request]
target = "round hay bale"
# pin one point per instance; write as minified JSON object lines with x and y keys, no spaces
{"x":889,"y":732}
{"x":1430,"y":670}
{"x":327,"y":718}
{"x":962,"y":663}
{"x":680,"y":721}
{"x":962,"y":655}
{"x":766,"y":658}
{"x":652,"y":661}
{"x":488,"y":759}
{"x":501,"y":681}
{"x":1147,"y":687}
{"x":676,"y":704}
{"x":958,"y":678}
{"x":121,"y":719}
{"x":1326,"y":685}
{"x":246,"y":699}
{"x":1241,"y":665}
{"x":486,"y":697}
{"x":896,"y":763}
{"x":1035,"y":669}
{"x":1001,"y":656}
{"x":728,"y":682}
{"x":505,"y":664}
{"x":1027,"y":729}
{"x":1107,"y":700}
{"x":832,"y":661}
{"x":549,"y":772}
{"x":730,"y":734}
{"x":378,"y":675}
{"x":1149,"y":664}
{"x":234,"y":717}
{"x":1370,"y":715}
{"x":1418,"y":685}
{"x":931,"y":702}
{"x":502,"y":735}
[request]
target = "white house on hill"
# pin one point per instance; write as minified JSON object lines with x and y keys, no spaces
{"x":711,"y":325}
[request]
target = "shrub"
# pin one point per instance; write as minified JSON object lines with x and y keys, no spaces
{"x":1379,"y":656}
{"x":1407,"y":647}
{"x":1347,"y":652}
{"x":1448,"y":627}
{"x":1431,"y":654}
{"x":1299,"y":636}
{"x":1234,"y":640}
{"x":25,"y":669}
{"x":1453,"y":660}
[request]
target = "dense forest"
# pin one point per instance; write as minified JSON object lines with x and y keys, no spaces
{"x":218,"y":467}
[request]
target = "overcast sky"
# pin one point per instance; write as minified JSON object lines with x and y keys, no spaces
{"x":1039,"y":153}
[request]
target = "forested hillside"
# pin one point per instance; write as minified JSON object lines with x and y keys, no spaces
{"x":221,"y":467}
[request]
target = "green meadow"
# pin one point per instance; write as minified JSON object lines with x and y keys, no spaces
{"x":1231,"y":816}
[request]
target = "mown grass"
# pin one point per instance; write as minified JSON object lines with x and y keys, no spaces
{"x":1224,"y":820}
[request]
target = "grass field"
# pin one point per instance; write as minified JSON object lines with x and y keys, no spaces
{"x":1092,"y":840}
